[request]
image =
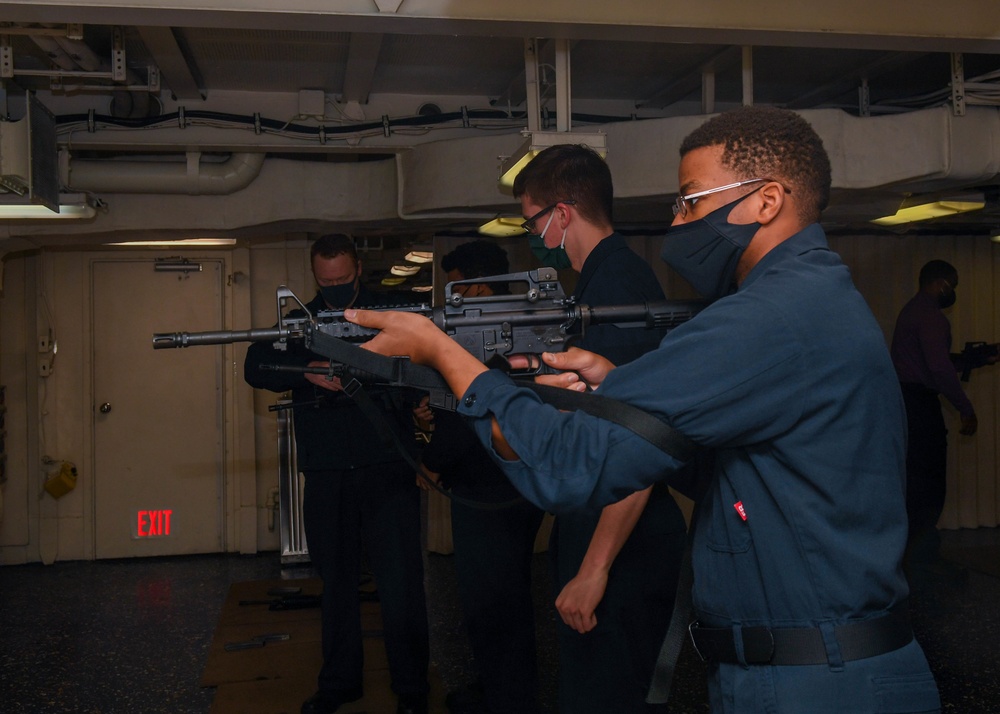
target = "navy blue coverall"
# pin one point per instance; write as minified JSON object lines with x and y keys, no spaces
{"x":789,"y":382}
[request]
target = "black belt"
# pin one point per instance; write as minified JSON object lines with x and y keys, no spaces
{"x":802,"y":645}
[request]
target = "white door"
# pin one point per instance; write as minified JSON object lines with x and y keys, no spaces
{"x":158,"y":416}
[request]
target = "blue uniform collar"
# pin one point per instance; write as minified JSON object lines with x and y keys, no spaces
{"x":810,"y":238}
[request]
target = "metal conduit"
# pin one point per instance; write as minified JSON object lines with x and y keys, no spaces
{"x":193,"y":177}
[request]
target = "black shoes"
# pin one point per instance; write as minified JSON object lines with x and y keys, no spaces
{"x":412,"y":704}
{"x":329,"y":702}
{"x":466,"y":700}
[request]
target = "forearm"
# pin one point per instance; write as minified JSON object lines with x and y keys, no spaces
{"x":456,"y":365}
{"x":613,"y":529}
{"x":947,"y":383}
{"x":567,"y":459}
{"x":459,"y":369}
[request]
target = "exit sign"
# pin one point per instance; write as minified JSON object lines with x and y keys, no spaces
{"x":151,"y":524}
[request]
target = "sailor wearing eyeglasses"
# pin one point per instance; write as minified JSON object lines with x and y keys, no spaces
{"x":799,"y":593}
{"x":614,"y":569}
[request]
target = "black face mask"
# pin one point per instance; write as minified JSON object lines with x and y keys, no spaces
{"x":946,"y":299}
{"x":706,"y":252}
{"x":340,"y":296}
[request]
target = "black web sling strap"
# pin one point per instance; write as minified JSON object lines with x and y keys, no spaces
{"x":642,"y":423}
{"x":402,"y":372}
{"x":673,"y":641}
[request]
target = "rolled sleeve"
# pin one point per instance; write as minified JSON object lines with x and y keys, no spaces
{"x":568,"y":460}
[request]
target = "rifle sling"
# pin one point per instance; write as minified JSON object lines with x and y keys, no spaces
{"x":394,"y":371}
{"x":639,"y":421}
{"x":680,"y":620}
{"x":399,"y":371}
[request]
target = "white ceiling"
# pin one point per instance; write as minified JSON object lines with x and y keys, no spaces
{"x":240,"y":76}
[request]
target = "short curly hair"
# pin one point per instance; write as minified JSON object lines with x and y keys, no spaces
{"x":768,"y":142}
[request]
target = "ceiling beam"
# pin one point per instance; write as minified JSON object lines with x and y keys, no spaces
{"x":174,"y":65}
{"x":850,"y":80}
{"x":514,"y":95}
{"x":362,"y":60}
{"x":691,"y":79}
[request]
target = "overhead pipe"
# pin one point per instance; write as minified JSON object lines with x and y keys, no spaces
{"x":193,"y":177}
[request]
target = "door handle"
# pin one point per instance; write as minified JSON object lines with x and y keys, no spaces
{"x":105,"y":408}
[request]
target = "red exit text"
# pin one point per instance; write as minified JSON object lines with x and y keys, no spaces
{"x":153,"y":523}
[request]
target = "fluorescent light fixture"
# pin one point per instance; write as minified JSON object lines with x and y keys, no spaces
{"x":187,"y":242}
{"x":422,"y":288}
{"x":420,"y":256}
{"x":71,"y":206}
{"x":536,"y":141}
{"x":927,"y":211}
{"x":404,"y":271}
{"x":503,"y":227}
{"x":995,"y":235}
{"x":392,"y":282}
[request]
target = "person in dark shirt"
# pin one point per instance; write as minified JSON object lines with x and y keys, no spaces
{"x":357,"y":490}
{"x":921,"y":355}
{"x":799,"y":593}
{"x":615,"y":569}
{"x":493,"y":530}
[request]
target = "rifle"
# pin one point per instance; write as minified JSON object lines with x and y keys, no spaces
{"x":974,"y":356}
{"x":539,"y":319}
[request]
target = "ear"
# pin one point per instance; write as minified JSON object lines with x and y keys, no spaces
{"x":565,"y":215}
{"x":772,"y":201}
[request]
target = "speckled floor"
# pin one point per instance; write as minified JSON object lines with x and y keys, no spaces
{"x":131,"y":636}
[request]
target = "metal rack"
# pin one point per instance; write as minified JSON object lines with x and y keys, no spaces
{"x":294,"y":549}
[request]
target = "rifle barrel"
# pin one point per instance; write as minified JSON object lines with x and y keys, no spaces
{"x":166,"y":340}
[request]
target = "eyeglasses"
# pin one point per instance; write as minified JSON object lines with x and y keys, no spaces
{"x":683,"y":204}
{"x":529,"y":225}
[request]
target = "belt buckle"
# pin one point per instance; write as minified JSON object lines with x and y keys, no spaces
{"x":756,"y":654}
{"x":691,"y":627}
{"x":351,"y":388}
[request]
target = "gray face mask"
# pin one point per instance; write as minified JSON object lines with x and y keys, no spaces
{"x":706,"y":252}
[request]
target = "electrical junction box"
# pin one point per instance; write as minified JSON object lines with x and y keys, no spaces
{"x":312,"y":102}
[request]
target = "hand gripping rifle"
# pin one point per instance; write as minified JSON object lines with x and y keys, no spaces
{"x":491,"y":328}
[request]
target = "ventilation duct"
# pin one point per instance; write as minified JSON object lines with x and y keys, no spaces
{"x":193,"y":177}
